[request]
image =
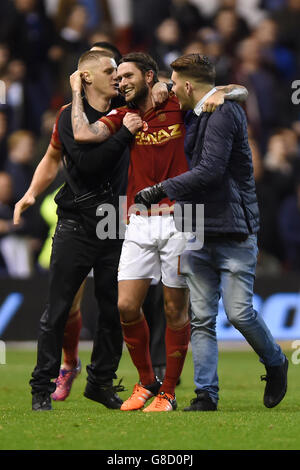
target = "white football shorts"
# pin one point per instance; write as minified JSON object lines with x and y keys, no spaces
{"x":151,"y":250}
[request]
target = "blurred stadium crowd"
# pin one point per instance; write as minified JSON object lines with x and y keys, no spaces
{"x":255,"y":43}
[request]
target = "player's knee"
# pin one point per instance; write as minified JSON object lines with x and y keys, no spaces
{"x":129,"y":311}
{"x":175,"y":312}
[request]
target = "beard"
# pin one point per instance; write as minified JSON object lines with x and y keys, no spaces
{"x":139,"y":96}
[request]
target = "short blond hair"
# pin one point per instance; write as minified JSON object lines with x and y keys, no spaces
{"x":93,"y":56}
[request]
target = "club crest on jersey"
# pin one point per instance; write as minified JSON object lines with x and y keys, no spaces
{"x":145,"y":126}
{"x":162,"y":117}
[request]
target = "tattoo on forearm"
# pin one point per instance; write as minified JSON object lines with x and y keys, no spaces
{"x":235,"y":92}
{"x":99,"y":129}
{"x":79,"y":118}
{"x":80,"y":121}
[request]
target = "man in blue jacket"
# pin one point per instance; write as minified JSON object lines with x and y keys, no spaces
{"x":221,"y":179}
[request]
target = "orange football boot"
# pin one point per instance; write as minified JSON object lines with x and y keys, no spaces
{"x":162,"y":402}
{"x":140,"y":395}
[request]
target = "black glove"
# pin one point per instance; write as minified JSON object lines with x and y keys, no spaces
{"x":150,"y":195}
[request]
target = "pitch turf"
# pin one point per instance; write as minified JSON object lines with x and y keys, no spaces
{"x":242,"y":422}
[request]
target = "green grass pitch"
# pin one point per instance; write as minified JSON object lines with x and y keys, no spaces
{"x":241,"y":423}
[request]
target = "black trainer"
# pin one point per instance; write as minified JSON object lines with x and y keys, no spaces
{"x":105,"y":394}
{"x":276,"y":386}
{"x":202,"y":402}
{"x":41,"y":401}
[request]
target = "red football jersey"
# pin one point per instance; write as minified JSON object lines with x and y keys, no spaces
{"x":157,"y":153}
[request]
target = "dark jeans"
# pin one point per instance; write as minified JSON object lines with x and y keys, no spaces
{"x":74,"y":253}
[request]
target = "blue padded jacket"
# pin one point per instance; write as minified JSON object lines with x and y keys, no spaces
{"x":221,"y":172}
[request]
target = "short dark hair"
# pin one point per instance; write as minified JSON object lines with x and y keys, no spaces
{"x":196,"y":66}
{"x":108,"y":46}
{"x":143,"y":61}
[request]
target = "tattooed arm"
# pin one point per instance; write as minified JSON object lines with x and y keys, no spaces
{"x":227,"y":92}
{"x":84,"y":131}
{"x":234,"y":92}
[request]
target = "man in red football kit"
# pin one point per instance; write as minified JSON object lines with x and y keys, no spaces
{"x":158,"y":148}
{"x":152,"y":243}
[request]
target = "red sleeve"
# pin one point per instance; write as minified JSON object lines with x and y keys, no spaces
{"x":55,"y":139}
{"x":114,"y":119}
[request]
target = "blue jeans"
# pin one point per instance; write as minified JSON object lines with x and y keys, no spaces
{"x":224,"y":268}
